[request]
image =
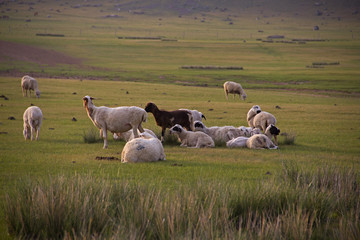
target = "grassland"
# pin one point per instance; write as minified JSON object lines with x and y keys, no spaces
{"x":320,"y":106}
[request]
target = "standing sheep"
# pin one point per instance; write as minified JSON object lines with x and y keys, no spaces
{"x":197,"y":116}
{"x":29,"y":83}
{"x":32,"y":122}
{"x":234,"y":88}
{"x":167,"y":119}
{"x":143,"y":149}
{"x":116,"y":120}
{"x":260,"y":119}
{"x":251,"y":114}
{"x":192,"y":139}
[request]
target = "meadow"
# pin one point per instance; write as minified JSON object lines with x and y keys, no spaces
{"x":58,"y":188}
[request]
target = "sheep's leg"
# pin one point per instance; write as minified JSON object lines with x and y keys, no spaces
{"x":162,"y":134}
{"x":104,"y":131}
{"x":275,"y":138}
{"x":29,"y":92}
{"x":226,"y":95}
{"x":37,"y":133}
{"x":101,"y":133}
{"x":135,"y":132}
{"x":23,"y":92}
{"x":141,"y":128}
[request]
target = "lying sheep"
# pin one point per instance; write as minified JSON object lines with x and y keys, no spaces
{"x":249,"y":131}
{"x":143,"y":149}
{"x":129,"y":135}
{"x":219,"y":134}
{"x":116,"y":120}
{"x":167,"y":119}
{"x":192,"y":139}
{"x":257,"y":141}
{"x":29,"y":83}
{"x":32,"y":122}
{"x":197,"y":116}
{"x":234,"y":88}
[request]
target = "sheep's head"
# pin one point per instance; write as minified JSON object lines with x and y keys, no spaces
{"x":244,"y":96}
{"x":255,"y":131}
{"x":37,"y":92}
{"x":273,"y":130}
{"x":243,"y":130}
{"x":199,"y":126}
{"x":176,"y":129}
{"x":256,"y":109}
{"x":150,"y":107}
{"x":86,"y":100}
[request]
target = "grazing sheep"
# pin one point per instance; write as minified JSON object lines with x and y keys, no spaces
{"x":197,"y":116}
{"x":219,"y":134}
{"x":116,"y":120}
{"x":192,"y":139}
{"x":129,"y":135}
{"x":167,"y":119}
{"x":32,"y":122}
{"x":234,"y":88}
{"x":257,"y":141}
{"x":143,"y":149}
{"x":251,"y":114}
{"x":29,"y":83}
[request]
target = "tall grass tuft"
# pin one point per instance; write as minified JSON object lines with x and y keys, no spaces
{"x":91,"y":136}
{"x":295,"y":204}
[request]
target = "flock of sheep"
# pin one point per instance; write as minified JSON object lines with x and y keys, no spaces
{"x":142,"y":145}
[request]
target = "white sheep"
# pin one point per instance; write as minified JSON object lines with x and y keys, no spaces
{"x":219,"y":134}
{"x":260,"y":119}
{"x":249,"y":131}
{"x":32,"y":122}
{"x":192,"y":139}
{"x":234,"y":88}
{"x":197,"y":116}
{"x":29,"y":83}
{"x":129,"y":135}
{"x":257,"y":141}
{"x":115,"y":120}
{"x":146,"y":148}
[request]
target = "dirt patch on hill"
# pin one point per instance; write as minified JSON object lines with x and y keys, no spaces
{"x":22,"y":52}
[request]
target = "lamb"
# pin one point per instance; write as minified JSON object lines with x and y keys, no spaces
{"x":32,"y":122}
{"x":234,"y":88}
{"x":260,"y":119}
{"x":29,"y":83}
{"x":197,"y":116}
{"x":219,"y":134}
{"x":146,"y":148}
{"x":129,"y":135}
{"x":257,"y":141}
{"x":192,"y":139}
{"x":167,"y":119}
{"x":116,"y":120}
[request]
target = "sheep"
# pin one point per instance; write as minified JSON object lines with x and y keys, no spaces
{"x":146,"y":148}
{"x":219,"y":134}
{"x":116,"y":120}
{"x":249,"y":131}
{"x":234,"y":88}
{"x":192,"y":139}
{"x":129,"y":135}
{"x":260,"y":119}
{"x":167,"y":119}
{"x":197,"y":116}
{"x":29,"y":83}
{"x":32,"y":122}
{"x":251,"y":114}
{"x":257,"y":141}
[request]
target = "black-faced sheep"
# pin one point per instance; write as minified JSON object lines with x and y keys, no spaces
{"x":167,"y":119}
{"x":197,"y":116}
{"x":143,"y":149}
{"x":234,"y":88}
{"x":29,"y":83}
{"x":192,"y":139}
{"x":219,"y":134}
{"x":32,"y":122}
{"x":115,"y":120}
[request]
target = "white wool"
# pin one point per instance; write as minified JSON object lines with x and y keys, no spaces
{"x":32,"y":122}
{"x":129,"y":135}
{"x":197,"y":116}
{"x":263,"y":119}
{"x":251,"y":114}
{"x":29,"y":83}
{"x":192,"y":139}
{"x":115,"y":120}
{"x":234,"y":88}
{"x":143,"y":150}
